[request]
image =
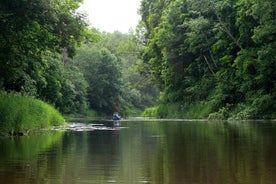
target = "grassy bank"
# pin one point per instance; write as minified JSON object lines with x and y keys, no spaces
{"x":195,"y":111}
{"x":258,"y":109}
{"x":20,"y":114}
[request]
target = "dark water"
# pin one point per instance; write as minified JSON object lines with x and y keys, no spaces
{"x":144,"y":152}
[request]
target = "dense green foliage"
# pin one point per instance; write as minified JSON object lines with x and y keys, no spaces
{"x":100,"y":68}
{"x":110,"y":68}
{"x":209,"y":58}
{"x":20,"y":113}
{"x":215,"y":54}
{"x":36,"y":38}
{"x":38,"y":42}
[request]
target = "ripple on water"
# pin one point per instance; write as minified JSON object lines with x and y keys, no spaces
{"x":80,"y":127}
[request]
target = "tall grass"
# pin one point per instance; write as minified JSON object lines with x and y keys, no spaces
{"x":21,"y":113}
{"x":198,"y":110}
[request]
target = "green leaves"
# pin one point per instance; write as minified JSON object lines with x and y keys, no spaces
{"x":31,"y":28}
{"x":102,"y":72}
{"x":36,"y":38}
{"x":226,"y":44}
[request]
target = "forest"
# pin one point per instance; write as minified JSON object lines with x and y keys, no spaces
{"x":211,"y":58}
{"x":185,"y":59}
{"x":49,"y":52}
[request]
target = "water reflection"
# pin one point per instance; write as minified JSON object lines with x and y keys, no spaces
{"x":144,"y":152}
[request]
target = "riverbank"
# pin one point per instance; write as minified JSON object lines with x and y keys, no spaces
{"x":20,"y":114}
{"x":206,"y":110}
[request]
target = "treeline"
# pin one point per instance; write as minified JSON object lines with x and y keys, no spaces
{"x":48,"y":52}
{"x":211,"y":58}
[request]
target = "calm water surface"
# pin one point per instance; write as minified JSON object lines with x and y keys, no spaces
{"x":144,"y":152}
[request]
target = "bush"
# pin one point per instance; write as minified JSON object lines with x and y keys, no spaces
{"x":150,"y":112}
{"x":21,"y":113}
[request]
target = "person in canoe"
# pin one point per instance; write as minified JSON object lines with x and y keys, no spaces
{"x":116,"y":115}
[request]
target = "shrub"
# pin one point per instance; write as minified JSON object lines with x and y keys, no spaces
{"x":150,"y":112}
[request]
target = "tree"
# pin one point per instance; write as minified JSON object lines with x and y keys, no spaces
{"x":256,"y":63}
{"x":30,"y":30}
{"x":215,"y":52}
{"x":102,"y":72}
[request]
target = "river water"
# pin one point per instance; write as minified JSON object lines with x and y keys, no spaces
{"x":156,"y":152}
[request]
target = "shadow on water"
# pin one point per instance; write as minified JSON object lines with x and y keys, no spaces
{"x":169,"y":152}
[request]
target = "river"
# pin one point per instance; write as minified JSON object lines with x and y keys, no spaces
{"x":156,"y":152}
